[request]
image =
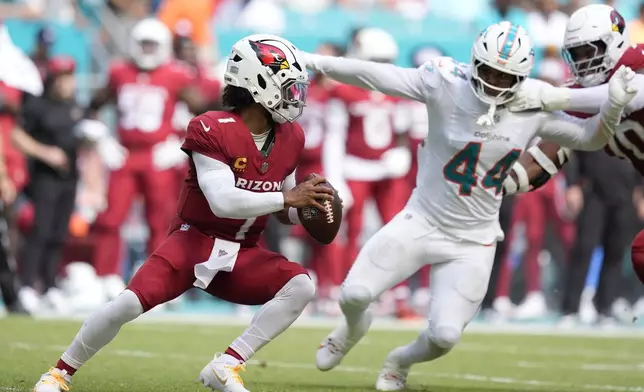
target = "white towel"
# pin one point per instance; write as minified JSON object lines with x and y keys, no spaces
{"x":222,"y":258}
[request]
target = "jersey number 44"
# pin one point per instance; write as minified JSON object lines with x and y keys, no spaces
{"x":461,"y":169}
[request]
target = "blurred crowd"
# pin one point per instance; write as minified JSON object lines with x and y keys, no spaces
{"x":74,"y":242}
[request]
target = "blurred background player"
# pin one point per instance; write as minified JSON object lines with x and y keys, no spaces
{"x":371,"y":153}
{"x":52,"y":134}
{"x":48,"y":136}
{"x":205,"y":82}
{"x":322,"y":115}
{"x":535,"y":212}
{"x":18,"y":76}
{"x":145,"y":90}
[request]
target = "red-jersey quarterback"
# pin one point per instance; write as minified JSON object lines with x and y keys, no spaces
{"x":595,"y":47}
{"x":239,"y":162}
{"x":371,"y":152}
{"x":145,"y":90}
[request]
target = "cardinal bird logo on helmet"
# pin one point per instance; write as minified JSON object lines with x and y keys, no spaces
{"x":270,"y":56}
{"x":618,"y":22}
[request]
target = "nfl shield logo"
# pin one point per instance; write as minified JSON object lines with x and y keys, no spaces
{"x":264,"y":168}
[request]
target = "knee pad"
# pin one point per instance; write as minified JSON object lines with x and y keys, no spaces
{"x":300,"y":289}
{"x":126,"y":307}
{"x":445,"y":337}
{"x":355,"y":296}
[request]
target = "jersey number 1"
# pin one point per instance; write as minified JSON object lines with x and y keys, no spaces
{"x":243,"y":230}
{"x":461,"y":169}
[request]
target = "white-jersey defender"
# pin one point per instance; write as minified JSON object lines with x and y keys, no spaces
{"x":451,"y":220}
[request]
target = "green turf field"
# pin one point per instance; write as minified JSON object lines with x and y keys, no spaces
{"x":168,"y":357}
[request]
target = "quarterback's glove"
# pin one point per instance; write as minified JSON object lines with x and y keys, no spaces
{"x":542,"y":96}
{"x":397,"y":161}
{"x":621,"y":87}
{"x":168,"y":154}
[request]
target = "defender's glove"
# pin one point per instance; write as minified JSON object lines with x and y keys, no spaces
{"x":540,"y":97}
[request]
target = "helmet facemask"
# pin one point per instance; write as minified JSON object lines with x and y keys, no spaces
{"x":589,"y":62}
{"x":492,"y":85}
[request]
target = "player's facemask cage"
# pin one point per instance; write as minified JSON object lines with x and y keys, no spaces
{"x":587,"y":62}
{"x":492,"y":93}
{"x":294,"y":95}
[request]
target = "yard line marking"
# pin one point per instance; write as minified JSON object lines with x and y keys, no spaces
{"x":602,"y":367}
{"x":549,"y":352}
{"x":347,"y":369}
{"x":463,"y":346}
{"x":378,"y":325}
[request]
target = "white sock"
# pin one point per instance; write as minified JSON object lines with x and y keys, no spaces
{"x":423,"y":349}
{"x":275,"y":316}
{"x":101,"y":327}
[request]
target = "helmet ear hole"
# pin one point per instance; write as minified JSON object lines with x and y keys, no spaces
{"x":261,"y":82}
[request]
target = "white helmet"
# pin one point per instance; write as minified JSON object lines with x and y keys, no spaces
{"x":271,"y":69}
{"x":594,"y":42}
{"x":150,"y":44}
{"x":374,"y":44}
{"x":505,"y":47}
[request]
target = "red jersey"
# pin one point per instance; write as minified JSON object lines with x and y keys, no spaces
{"x":224,"y":137}
{"x":629,"y":140}
{"x":371,"y":121}
{"x":313,"y":121}
{"x":14,"y":159}
{"x":146,"y":101}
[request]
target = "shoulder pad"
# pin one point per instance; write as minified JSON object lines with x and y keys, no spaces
{"x":633,"y":58}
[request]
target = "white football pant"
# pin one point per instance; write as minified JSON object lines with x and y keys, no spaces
{"x":459,"y":276}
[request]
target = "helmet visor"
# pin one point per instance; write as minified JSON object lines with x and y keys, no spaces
{"x":294,"y":95}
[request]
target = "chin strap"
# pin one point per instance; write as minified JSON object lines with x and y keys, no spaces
{"x":487,"y":120}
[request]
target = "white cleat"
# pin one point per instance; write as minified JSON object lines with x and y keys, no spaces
{"x":335,"y":346}
{"x":503,"y":306}
{"x":392,"y":377}
{"x":222,"y":374}
{"x":569,"y":321}
{"x":55,"y":380}
{"x":30,"y":299}
{"x":56,"y":301}
{"x":533,"y":307}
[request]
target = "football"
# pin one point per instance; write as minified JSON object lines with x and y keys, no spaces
{"x":637,"y":255}
{"x":323,"y":226}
